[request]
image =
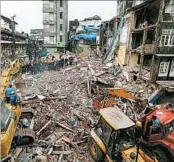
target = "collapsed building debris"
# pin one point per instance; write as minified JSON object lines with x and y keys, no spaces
{"x":63,"y":104}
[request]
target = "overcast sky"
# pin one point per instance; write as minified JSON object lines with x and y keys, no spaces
{"x":29,"y":13}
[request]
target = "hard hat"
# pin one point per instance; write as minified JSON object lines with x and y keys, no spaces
{"x":12,"y":92}
{"x":17,"y":90}
{"x":138,"y":124}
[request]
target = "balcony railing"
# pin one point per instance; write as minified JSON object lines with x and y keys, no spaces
{"x":46,"y":22}
{"x":48,"y":10}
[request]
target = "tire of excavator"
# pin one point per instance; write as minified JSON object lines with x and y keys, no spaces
{"x":28,"y":136}
{"x":161,"y":155}
{"x":96,"y":153}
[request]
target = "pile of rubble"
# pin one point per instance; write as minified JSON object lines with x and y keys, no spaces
{"x":64,"y":113}
{"x":62,"y":101}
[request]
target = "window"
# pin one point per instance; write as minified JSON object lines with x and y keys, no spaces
{"x":163,"y":69}
{"x":106,"y":132}
{"x":60,"y":38}
{"x":51,"y":28}
{"x":156,"y":130}
{"x":169,"y":127}
{"x":172,"y":40}
{"x":61,"y":27}
{"x":61,"y":15}
{"x":51,"y":4}
{"x":51,"y":16}
{"x":171,"y":74}
{"x":167,"y":18}
{"x":61,"y":3}
{"x":167,"y":38}
{"x":51,"y":39}
{"x":5,"y":117}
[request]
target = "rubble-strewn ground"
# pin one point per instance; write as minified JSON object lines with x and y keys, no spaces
{"x":69,"y":105}
{"x":63,"y":106}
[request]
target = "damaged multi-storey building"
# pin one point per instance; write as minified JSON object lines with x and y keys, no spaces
{"x":146,"y":43}
{"x":21,"y":41}
{"x":108,"y":29}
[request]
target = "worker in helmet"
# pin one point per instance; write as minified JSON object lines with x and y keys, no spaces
{"x":8,"y":93}
{"x":13,"y":98}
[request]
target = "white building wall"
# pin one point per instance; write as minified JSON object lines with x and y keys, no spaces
{"x":88,"y":23}
{"x":52,"y":18}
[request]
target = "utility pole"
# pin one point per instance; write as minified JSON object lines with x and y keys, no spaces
{"x":13,"y":37}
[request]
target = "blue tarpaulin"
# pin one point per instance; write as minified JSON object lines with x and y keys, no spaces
{"x":43,"y":53}
{"x":88,"y":28}
{"x":85,"y":36}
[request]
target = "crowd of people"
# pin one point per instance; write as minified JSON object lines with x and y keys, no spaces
{"x":50,"y":62}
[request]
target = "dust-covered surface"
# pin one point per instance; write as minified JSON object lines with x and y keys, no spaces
{"x":65,"y":115}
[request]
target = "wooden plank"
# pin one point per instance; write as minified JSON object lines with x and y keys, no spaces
{"x":61,"y":152}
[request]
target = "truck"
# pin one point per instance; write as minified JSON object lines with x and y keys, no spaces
{"x":159,"y":140}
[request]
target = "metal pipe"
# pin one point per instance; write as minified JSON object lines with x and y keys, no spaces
{"x":13,"y":37}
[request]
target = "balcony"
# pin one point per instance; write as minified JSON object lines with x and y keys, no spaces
{"x":47,"y":22}
{"x":49,"y":33}
{"x":48,"y":10}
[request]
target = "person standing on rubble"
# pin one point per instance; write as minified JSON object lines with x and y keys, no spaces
{"x":70,"y":60}
{"x":8,"y":93}
{"x":19,"y":96}
{"x":61,"y":62}
{"x":138,"y":132}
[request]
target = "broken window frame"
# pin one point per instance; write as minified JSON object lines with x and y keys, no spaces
{"x":167,"y":37}
{"x":164,"y":18}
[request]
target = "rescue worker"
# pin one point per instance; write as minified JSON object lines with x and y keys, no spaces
{"x":138,"y":132}
{"x":71,"y":60}
{"x":13,"y":98}
{"x":19,"y":96}
{"x":8,"y":93}
{"x":61,"y":62}
{"x":155,"y":121}
{"x":16,"y":140}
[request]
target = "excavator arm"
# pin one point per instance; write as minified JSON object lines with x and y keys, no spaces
{"x":117,"y":93}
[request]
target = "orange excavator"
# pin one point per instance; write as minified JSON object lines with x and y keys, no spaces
{"x":101,"y":102}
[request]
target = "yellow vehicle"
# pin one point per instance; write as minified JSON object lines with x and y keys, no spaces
{"x":13,"y":115}
{"x":112,"y":138}
{"x":8,"y":75}
{"x":8,"y":128}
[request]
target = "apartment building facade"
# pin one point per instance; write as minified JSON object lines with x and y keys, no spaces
{"x":55,"y":23}
{"x":147,"y":39}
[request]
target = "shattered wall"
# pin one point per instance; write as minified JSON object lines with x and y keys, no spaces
{"x":125,"y":38}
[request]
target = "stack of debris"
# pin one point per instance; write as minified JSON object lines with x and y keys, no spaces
{"x":63,"y":102}
{"x":64,"y":114}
